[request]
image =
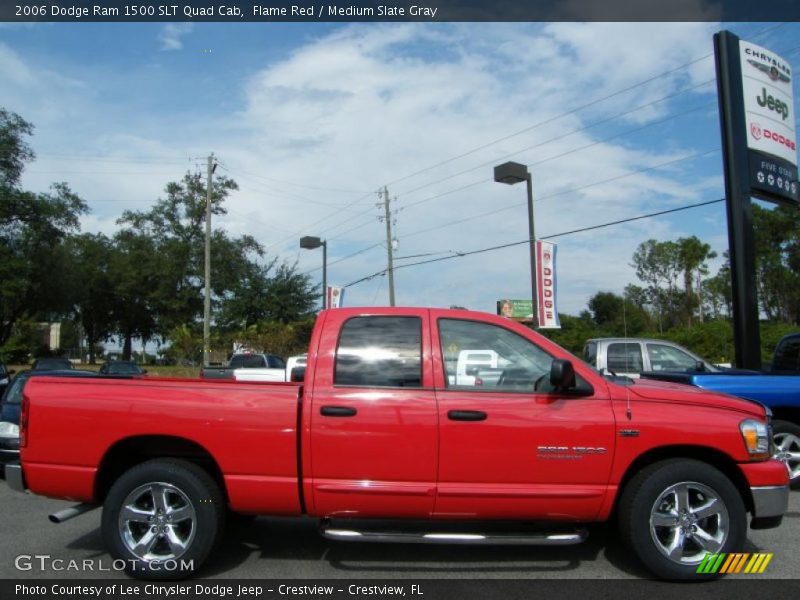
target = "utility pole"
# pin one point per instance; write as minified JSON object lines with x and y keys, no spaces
{"x":388,"y":217}
{"x":207,"y":299}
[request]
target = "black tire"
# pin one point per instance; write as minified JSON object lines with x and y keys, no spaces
{"x":172,"y":543}
{"x":787,"y":434}
{"x":655,"y":491}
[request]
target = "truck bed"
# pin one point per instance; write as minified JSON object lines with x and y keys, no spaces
{"x":249,"y":428}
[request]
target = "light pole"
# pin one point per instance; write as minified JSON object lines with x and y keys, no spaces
{"x":311,"y":243}
{"x":511,"y":173}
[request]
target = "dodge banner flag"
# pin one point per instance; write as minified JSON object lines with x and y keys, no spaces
{"x":335,"y":296}
{"x":546,"y":285}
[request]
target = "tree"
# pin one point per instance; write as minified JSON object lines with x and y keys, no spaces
{"x":134,"y":275}
{"x":692,"y":257}
{"x":777,"y":242}
{"x":14,"y":150}
{"x":658,"y":265}
{"x":90,"y":257}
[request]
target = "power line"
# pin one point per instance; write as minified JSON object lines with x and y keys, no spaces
{"x":551,"y":236}
{"x":571,"y":151}
{"x":564,"y":135}
{"x":549,"y":196}
{"x":553,"y":119}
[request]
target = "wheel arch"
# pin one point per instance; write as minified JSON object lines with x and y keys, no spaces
{"x":129,"y":452}
{"x":705,"y":454}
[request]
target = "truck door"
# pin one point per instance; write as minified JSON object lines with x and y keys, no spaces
{"x":509,"y":448}
{"x":373,"y":420}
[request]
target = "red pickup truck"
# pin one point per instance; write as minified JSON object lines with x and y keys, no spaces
{"x":388,"y":424}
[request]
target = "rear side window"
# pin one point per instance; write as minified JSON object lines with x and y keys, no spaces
{"x":380,"y":352}
{"x":624,"y":358}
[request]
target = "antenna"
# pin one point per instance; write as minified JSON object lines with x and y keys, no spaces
{"x":625,"y":333}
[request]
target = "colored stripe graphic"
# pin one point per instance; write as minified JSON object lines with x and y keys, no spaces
{"x":734,"y":563}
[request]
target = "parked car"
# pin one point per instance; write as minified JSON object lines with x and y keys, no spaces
{"x":121,"y":367}
{"x":248,"y":366}
{"x":10,"y":409}
{"x":629,"y":357}
{"x":52,"y":363}
{"x":786,"y":359}
{"x":5,"y":377}
{"x":378,"y":431}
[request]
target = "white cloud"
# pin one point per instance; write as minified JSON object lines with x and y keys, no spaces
{"x":172,"y":34}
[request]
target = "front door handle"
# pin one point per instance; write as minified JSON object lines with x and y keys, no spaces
{"x":337,"y":411}
{"x":466,"y":415}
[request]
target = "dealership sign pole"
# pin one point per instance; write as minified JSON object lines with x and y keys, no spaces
{"x":760,"y":157}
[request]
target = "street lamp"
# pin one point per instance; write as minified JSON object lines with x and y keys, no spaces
{"x":311,"y":243}
{"x":511,"y":173}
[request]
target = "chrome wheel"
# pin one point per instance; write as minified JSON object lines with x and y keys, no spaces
{"x":687,"y":521}
{"x":787,"y":450}
{"x":157,"y":522}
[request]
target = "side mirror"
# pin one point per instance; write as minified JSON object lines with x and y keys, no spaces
{"x":144,"y":371}
{"x":298,"y":374}
{"x":472,"y":371}
{"x":562,"y":374}
{"x":700,"y":366}
{"x":12,"y":371}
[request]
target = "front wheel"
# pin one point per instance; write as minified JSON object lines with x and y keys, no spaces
{"x":162,"y":518}
{"x":675,"y":512}
{"x":786,"y":437}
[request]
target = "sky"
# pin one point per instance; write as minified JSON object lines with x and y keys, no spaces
{"x":313,"y":119}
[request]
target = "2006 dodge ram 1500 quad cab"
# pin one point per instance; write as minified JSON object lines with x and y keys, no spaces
{"x":382,"y":428}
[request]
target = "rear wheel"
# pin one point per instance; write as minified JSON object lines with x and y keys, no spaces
{"x":675,"y":512}
{"x":163,"y":518}
{"x":786,"y":437}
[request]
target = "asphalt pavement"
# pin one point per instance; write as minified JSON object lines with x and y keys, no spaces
{"x":272,"y":548}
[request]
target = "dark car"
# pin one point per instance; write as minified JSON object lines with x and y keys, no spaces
{"x":52,"y":363}
{"x":787,"y":356}
{"x":5,"y":377}
{"x":121,"y":367}
{"x":10,"y":408}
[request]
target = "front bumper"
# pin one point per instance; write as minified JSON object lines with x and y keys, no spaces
{"x":770,"y":501}
{"x":15,"y":478}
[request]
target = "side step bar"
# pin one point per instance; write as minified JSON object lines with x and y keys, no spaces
{"x":565,"y":538}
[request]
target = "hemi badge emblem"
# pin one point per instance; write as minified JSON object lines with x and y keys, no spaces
{"x":629,"y":432}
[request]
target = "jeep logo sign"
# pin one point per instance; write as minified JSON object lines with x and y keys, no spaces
{"x":768,"y":102}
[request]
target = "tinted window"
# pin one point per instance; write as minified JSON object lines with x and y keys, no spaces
{"x":247,"y":361}
{"x":787,"y":355}
{"x":509,"y":361}
{"x":380,"y":352}
{"x":624,"y":358}
{"x":669,"y":358}
{"x":275,"y":362}
{"x":51,"y":364}
{"x":13,"y":394}
{"x":123,"y":368}
{"x":590,"y":353}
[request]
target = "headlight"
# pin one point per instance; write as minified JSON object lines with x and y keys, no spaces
{"x":9,"y":429}
{"x":756,"y":438}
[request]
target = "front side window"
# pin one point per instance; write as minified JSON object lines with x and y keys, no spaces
{"x":624,"y":358}
{"x":380,"y":352}
{"x":668,"y":358}
{"x":487,"y":357}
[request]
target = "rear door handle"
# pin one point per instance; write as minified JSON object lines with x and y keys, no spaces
{"x":337,"y":411}
{"x":466,"y":415}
